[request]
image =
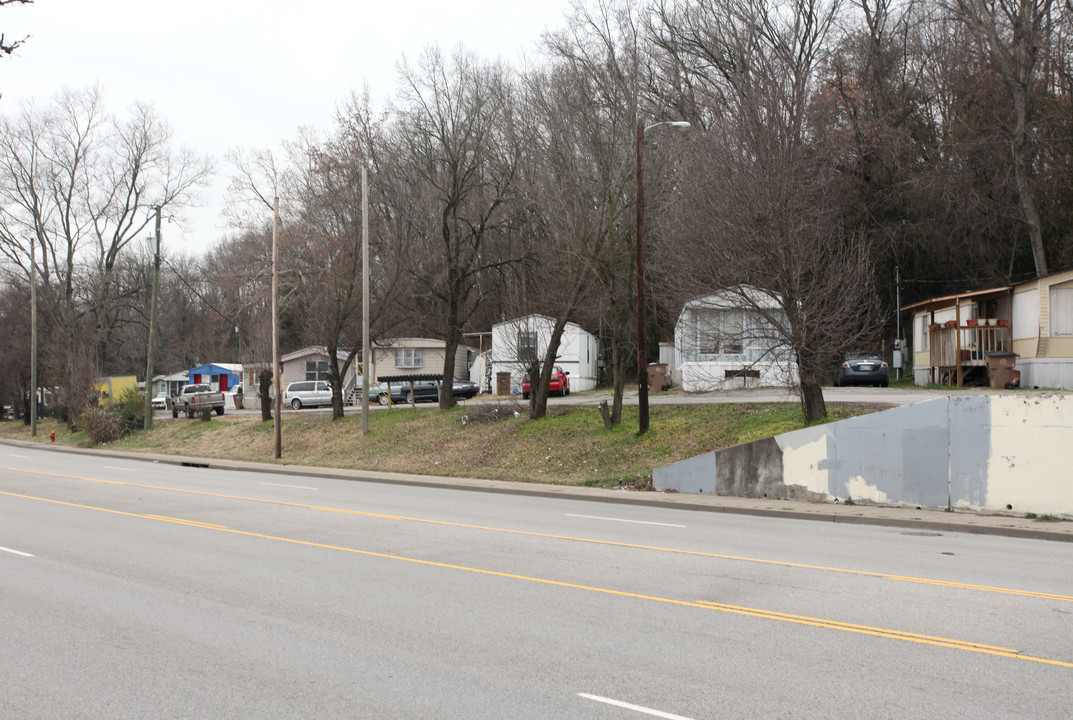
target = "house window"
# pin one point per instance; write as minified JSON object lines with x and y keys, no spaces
{"x":720,"y":332}
{"x":1060,"y":310}
{"x":316,"y":369}
{"x":527,"y":346}
{"x":408,"y":358}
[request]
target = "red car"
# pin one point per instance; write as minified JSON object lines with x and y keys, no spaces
{"x":559,"y":384}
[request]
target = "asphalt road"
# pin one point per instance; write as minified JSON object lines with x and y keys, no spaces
{"x":131,"y":589}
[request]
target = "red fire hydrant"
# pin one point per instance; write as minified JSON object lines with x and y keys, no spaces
{"x":52,"y":436}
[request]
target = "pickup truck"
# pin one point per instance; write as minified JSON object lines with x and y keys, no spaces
{"x":192,"y":399}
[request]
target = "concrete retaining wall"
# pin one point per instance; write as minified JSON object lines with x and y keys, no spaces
{"x":1011,"y":451}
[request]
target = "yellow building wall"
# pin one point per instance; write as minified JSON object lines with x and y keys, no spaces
{"x":110,"y":388}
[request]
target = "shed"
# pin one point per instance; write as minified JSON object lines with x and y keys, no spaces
{"x":221,"y":376}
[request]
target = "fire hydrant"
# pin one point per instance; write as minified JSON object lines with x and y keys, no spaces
{"x":52,"y":436}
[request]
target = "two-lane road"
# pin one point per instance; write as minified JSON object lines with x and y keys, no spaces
{"x":133,"y":590}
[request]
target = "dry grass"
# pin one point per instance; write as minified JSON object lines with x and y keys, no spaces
{"x":481,"y":440}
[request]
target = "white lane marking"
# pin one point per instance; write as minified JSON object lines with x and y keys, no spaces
{"x":18,"y":456}
{"x":635,"y":708}
{"x":639,"y":522}
{"x":15,"y":552}
{"x":296,"y":487}
{"x":110,"y":467}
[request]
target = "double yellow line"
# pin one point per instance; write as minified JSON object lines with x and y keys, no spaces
{"x":721,"y":607}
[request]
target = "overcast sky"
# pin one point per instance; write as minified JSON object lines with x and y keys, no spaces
{"x":246,"y":73}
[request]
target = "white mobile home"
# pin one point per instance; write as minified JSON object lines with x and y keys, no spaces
{"x":516,"y":343}
{"x":728,"y":339}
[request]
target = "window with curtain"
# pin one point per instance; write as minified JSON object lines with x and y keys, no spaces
{"x":409,"y":358}
{"x":1060,"y":311}
{"x":720,"y":332}
{"x":527,"y":346}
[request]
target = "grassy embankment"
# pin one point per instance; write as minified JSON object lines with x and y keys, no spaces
{"x":568,"y":447}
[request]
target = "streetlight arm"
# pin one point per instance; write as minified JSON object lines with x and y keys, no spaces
{"x":669,"y":123}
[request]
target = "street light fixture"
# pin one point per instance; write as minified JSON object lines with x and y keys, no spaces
{"x":642,"y":339}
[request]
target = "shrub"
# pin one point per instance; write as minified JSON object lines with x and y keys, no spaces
{"x":103,"y":425}
{"x":115,"y":420}
{"x":130,"y":404}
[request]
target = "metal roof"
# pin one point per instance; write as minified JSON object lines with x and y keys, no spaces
{"x":952,"y":300}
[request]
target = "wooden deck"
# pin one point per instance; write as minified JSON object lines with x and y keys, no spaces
{"x":953,"y":350}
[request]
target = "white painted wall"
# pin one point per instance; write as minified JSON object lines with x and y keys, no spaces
{"x":1008,"y":452}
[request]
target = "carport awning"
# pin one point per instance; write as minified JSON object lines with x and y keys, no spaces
{"x":408,"y":378}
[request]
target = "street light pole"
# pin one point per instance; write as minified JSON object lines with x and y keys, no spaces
{"x":148,"y":422}
{"x":642,"y":337}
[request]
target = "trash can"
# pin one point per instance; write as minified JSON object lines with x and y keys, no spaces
{"x":1000,"y":368}
{"x":657,"y":376}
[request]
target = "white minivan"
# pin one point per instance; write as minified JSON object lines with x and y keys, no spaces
{"x":307,"y":393}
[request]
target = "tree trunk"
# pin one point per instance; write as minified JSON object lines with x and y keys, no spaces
{"x":264,"y":391}
{"x":447,"y":396}
{"x":336,"y":381}
{"x":538,"y":391}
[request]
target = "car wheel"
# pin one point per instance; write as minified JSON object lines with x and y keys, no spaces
{"x":296,"y":404}
{"x":567,"y":391}
{"x":409,"y":397}
{"x":220,"y":410}
{"x":885,"y":383}
{"x":383,"y":399}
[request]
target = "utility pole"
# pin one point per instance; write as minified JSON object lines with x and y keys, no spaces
{"x":33,"y":338}
{"x":364,"y":300}
{"x":642,"y":336}
{"x":277,"y":403}
{"x":148,"y":423}
{"x":898,"y":321}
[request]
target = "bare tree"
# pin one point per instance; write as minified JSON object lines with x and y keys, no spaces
{"x":761,"y":195}
{"x":1015,"y":34}
{"x":8,"y":47}
{"x":604,"y":79}
{"x":454,"y":162}
{"x":80,"y":185}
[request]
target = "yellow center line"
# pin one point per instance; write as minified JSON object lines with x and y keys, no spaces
{"x":569,"y":538}
{"x":732,"y":609}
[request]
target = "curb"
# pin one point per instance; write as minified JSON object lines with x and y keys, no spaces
{"x":972,"y":523}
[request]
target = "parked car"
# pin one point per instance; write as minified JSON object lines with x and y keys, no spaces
{"x":160,"y":401}
{"x":464,"y":389}
{"x":423,"y":391}
{"x":307,"y":393}
{"x":862,"y":368}
{"x":558,"y":384}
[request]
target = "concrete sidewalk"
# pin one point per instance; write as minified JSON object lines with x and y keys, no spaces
{"x":920,"y":519}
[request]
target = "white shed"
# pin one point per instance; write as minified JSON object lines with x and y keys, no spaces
{"x":516,"y":342}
